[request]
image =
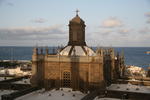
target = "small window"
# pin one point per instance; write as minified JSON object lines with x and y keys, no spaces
{"x":66,"y":79}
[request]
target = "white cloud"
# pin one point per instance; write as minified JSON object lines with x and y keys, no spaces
{"x":30,"y":35}
{"x":6,"y":2}
{"x":148,"y":21}
{"x":124,"y":31}
{"x":144,"y":30}
{"x":112,"y":22}
{"x":119,"y":37}
{"x":148,"y":17}
{"x":147,"y":14}
{"x":55,"y":35}
{"x":39,"y":20}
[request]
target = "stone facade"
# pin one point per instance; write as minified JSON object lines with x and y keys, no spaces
{"x":79,"y":72}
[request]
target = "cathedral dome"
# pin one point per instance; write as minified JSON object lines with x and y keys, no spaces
{"x":77,"y":51}
{"x":77,"y":45}
{"x":77,"y":19}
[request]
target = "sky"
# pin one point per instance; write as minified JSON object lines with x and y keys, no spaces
{"x":118,"y":23}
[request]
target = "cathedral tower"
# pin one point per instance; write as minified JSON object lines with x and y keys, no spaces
{"x":76,"y":65}
{"x":77,"y":31}
{"x":77,"y":45}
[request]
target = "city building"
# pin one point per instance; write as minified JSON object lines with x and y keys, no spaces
{"x":76,"y":66}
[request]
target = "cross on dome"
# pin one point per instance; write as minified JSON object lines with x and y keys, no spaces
{"x":77,"y":11}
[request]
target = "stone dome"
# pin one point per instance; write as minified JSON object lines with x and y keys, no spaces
{"x":77,"y":19}
{"x":77,"y":51}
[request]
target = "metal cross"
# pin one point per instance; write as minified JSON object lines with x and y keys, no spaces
{"x":77,"y":12}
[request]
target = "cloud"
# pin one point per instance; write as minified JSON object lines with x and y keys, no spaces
{"x":123,"y":36}
{"x":105,"y":32}
{"x":147,"y":14}
{"x":148,"y":17}
{"x":148,"y":21}
{"x":39,"y":20}
{"x":110,"y":31}
{"x":124,"y":31}
{"x":53,"y":34}
{"x":6,"y":2}
{"x":112,"y":22}
{"x":10,"y":4}
{"x":144,"y":30}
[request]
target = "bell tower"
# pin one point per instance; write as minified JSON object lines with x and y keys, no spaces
{"x":77,"y":31}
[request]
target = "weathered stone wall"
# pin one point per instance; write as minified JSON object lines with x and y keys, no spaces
{"x":86,"y":72}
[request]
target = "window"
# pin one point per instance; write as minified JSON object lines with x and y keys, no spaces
{"x":66,"y":79}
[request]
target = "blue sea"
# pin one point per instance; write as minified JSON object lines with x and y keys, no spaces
{"x":133,"y":55}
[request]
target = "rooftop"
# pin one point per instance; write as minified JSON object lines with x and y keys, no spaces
{"x":62,"y":94}
{"x":77,"y":50}
{"x":77,"y":19}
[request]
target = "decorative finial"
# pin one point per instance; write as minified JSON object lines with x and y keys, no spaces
{"x":77,"y":12}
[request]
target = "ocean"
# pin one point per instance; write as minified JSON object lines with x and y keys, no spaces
{"x":133,"y":55}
